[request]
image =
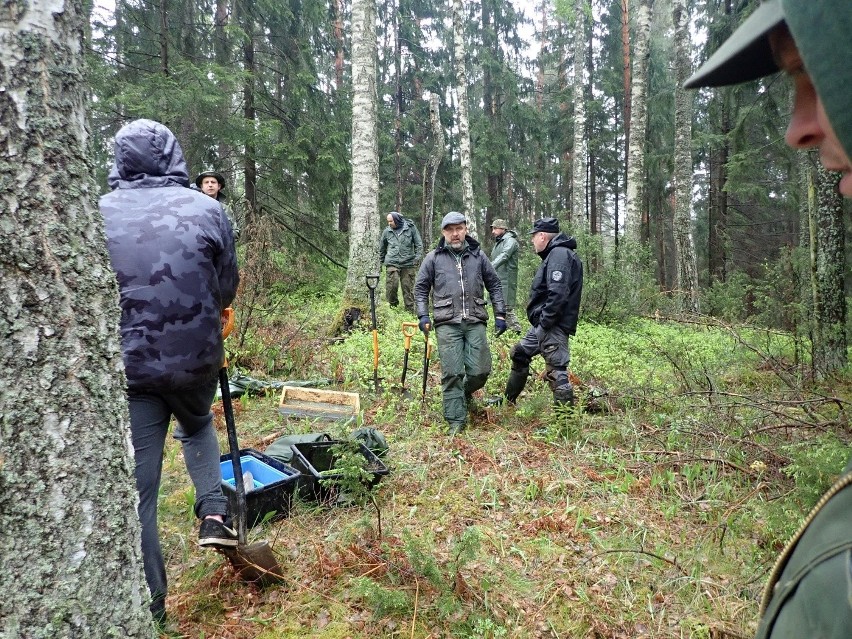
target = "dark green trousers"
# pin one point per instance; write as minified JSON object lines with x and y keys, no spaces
{"x":465,"y":365}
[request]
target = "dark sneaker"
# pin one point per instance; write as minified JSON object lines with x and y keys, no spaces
{"x":216,"y":534}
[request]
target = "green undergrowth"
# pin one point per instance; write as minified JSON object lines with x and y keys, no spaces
{"x":654,"y":508}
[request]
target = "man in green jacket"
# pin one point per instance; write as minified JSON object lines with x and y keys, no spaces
{"x":400,"y":249}
{"x":504,"y":259}
{"x":809,"y":593}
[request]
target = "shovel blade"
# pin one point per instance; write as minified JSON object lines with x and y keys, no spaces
{"x":255,"y":563}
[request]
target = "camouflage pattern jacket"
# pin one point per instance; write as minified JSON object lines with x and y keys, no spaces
{"x":173,"y":252}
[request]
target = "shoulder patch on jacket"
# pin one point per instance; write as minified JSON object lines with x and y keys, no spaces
{"x":556,"y":276}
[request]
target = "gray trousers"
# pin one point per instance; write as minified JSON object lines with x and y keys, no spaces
{"x":465,"y":365}
{"x":553,"y":347}
{"x":150,"y":414}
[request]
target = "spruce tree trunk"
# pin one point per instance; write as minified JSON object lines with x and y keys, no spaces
{"x":577,"y":214}
{"x":464,"y":122}
{"x":364,"y":229}
{"x":431,"y":172}
{"x":830,"y":308}
{"x":70,"y":548}
{"x":687,"y":270}
{"x":249,"y":115}
{"x":638,"y":119}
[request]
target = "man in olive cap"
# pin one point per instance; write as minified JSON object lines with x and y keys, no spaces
{"x":457,"y":273}
{"x":212,"y":183}
{"x":553,"y":310}
{"x":809,"y":592}
{"x":504,"y":259}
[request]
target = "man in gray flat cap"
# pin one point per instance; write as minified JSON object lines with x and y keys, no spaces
{"x":553,"y":310}
{"x":457,"y":273}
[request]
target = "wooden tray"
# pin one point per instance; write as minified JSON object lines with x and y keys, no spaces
{"x":315,"y":403}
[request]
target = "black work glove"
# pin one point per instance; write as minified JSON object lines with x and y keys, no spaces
{"x":499,"y":326}
{"x":425,"y":324}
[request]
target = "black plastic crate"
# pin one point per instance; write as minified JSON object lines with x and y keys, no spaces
{"x":274,"y":484}
{"x":313,"y":459}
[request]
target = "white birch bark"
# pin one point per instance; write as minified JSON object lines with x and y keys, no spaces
{"x":364,"y":227}
{"x":638,"y":118}
{"x":577,"y":215}
{"x":464,"y":122}
{"x":687,"y":269}
{"x":70,"y":547}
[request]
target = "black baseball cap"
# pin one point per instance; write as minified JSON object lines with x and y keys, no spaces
{"x":546,"y":225}
{"x":746,"y":55}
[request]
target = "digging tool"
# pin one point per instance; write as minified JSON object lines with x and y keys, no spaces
{"x":372,"y":283}
{"x":255,"y":562}
{"x":427,"y":354}
{"x":409,"y":329}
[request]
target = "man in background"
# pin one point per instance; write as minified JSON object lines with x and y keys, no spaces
{"x":212,"y":183}
{"x":172,"y":251}
{"x":809,"y":592}
{"x":400,"y":249}
{"x":504,"y":259}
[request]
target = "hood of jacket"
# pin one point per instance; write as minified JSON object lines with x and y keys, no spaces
{"x":567,"y":241}
{"x":822,"y":34}
{"x":147,"y":154}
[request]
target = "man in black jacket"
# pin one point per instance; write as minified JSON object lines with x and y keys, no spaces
{"x":552,"y":311}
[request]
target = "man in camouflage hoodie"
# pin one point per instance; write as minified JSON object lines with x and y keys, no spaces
{"x":172,"y":250}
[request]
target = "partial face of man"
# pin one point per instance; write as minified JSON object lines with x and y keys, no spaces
{"x":809,"y":126}
{"x":496,"y":231}
{"x":454,"y":235}
{"x":210,"y":186}
{"x":540,"y":241}
{"x":391,"y":223}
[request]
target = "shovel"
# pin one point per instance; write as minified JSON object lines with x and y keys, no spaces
{"x":427,"y":353}
{"x":255,"y":563}
{"x":409,"y":329}
{"x":372,"y":282}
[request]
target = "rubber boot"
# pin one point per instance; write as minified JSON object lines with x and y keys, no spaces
{"x":515,"y":384}
{"x":560,"y":386}
{"x":564,"y":396}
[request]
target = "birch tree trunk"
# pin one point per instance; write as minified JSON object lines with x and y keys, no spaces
{"x":830,"y":301}
{"x":70,"y":548}
{"x":464,"y":122}
{"x":687,"y":269}
{"x":364,"y":228}
{"x":577,"y":215}
{"x":638,"y":120}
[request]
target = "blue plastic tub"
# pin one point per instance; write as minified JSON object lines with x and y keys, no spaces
{"x":274,"y":483}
